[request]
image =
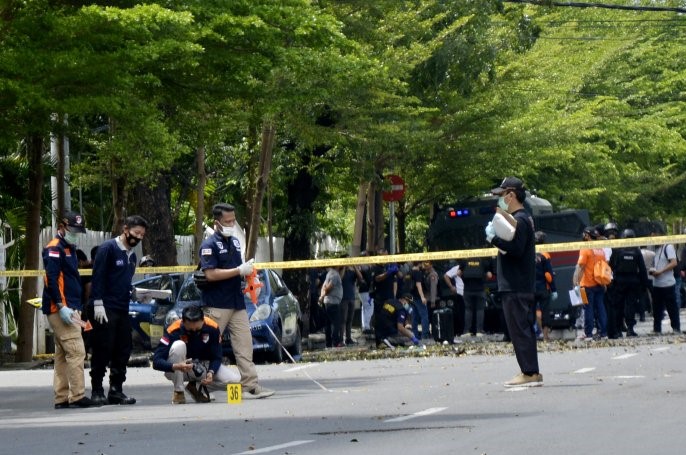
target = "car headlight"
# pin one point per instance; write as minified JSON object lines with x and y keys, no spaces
{"x":172,"y":316}
{"x":261,"y":313}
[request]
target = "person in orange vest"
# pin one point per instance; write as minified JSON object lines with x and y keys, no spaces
{"x":62,"y":305}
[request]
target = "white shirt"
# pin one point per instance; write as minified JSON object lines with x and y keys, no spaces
{"x":453,"y":275}
{"x":664,"y":254}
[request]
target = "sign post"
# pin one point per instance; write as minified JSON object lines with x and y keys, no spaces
{"x":396,"y":193}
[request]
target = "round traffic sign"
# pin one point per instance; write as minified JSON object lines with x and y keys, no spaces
{"x":397,"y":188}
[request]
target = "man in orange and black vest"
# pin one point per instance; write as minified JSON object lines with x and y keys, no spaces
{"x":62,"y":305}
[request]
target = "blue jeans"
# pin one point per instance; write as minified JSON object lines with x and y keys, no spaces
{"x":421,"y":313}
{"x":595,"y":309}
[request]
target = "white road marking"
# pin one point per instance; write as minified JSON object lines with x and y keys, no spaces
{"x":277,"y":447}
{"x":301,"y":367}
{"x":664,"y":348}
{"x":425,"y":412}
{"x":628,"y":377}
{"x":625,"y":356}
{"x":583,"y":370}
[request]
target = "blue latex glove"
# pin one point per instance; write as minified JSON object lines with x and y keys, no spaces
{"x":490,"y":232}
{"x":415,"y":341}
{"x":392,"y":269}
{"x":65,"y":314}
{"x":553,"y":296}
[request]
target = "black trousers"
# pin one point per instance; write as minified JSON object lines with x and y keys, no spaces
{"x":111,"y":345}
{"x":665,"y":298}
{"x":626,"y":298}
{"x":332,"y":331}
{"x":519,"y":311}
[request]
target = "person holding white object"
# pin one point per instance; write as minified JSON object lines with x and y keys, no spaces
{"x":516,"y":272}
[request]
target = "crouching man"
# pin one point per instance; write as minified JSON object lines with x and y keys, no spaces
{"x":393,"y":316}
{"x":190,"y":351}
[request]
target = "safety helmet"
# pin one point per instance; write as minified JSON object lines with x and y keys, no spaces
{"x":628,"y":234}
{"x":611,"y":227}
{"x":592,"y":232}
{"x":146,"y":261}
{"x":539,"y":236}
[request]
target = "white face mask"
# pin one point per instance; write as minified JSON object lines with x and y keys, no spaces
{"x":227,"y":231}
{"x":502,"y":204}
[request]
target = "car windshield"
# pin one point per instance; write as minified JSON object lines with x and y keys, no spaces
{"x":189,"y":291}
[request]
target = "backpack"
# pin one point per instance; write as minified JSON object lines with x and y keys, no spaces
{"x":602,"y":273}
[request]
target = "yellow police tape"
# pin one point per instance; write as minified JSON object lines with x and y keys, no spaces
{"x":399,"y":258}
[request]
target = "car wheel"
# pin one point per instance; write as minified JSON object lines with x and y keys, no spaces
{"x":276,"y":356}
{"x":297,"y":348}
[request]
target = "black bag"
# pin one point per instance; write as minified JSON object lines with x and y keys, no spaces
{"x":200,"y":279}
{"x":442,"y":325}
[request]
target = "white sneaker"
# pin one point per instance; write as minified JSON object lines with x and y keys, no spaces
{"x":522,"y":380}
{"x":257,"y":393}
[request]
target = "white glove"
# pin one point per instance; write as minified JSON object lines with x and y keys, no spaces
{"x":490,"y":231}
{"x":553,"y":296}
{"x":65,"y":314}
{"x":100,"y":313}
{"x":246,"y":268}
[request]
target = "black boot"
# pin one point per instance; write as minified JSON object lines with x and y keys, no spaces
{"x":116,"y":396}
{"x":98,"y":396}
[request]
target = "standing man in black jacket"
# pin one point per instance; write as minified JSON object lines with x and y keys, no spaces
{"x":630,"y":280}
{"x":516,"y":272}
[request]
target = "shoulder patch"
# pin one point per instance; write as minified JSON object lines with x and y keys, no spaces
{"x":206,"y":252}
{"x":236,"y":243}
{"x":54,"y":254}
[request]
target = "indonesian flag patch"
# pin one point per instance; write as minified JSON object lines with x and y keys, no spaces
{"x":164,"y":341}
{"x":54,"y":254}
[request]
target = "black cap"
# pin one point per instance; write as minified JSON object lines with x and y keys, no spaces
{"x":508,"y":183}
{"x":74,"y":222}
{"x":407,"y":296}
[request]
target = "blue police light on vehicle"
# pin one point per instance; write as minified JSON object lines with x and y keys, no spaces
{"x":459,"y":213}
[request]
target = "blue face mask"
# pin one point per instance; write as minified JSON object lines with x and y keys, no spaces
{"x":502,"y":204}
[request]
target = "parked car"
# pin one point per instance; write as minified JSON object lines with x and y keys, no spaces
{"x":277,"y":309}
{"x":147,"y":318}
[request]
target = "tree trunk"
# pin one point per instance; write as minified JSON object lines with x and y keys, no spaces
{"x":401,"y":217}
{"x":200,"y":207}
{"x":359,"y":218}
{"x":264,"y":169}
{"x":29,"y":288}
{"x":118,"y":205}
{"x":154,"y":204}
{"x":302,"y":193}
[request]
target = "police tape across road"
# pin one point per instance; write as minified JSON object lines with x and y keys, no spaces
{"x":400,"y":258}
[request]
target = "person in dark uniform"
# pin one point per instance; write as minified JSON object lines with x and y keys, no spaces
{"x":385,"y":284}
{"x":190,"y":351}
{"x":391,"y":319}
{"x":62,"y":304}
{"x":220,"y":259}
{"x":113,"y":270}
{"x":475,"y":272}
{"x":630,"y":281}
{"x":516,"y":272}
{"x":546,"y":291}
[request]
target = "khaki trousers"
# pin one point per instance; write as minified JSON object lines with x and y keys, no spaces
{"x":68,"y":380}
{"x":241,"y":341}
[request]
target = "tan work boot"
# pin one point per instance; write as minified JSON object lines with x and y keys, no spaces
{"x":178,"y":397}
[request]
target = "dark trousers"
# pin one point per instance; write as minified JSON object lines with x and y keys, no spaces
{"x":615,"y":312}
{"x":111,"y":345}
{"x":627,"y":298}
{"x":332,"y":331}
{"x":347,"y":313}
{"x":519,"y":312}
{"x":458,"y":314}
{"x":474,"y":308}
{"x":665,"y":299}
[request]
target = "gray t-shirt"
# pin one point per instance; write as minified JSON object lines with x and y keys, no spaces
{"x":664,"y":254}
{"x":335,"y":294}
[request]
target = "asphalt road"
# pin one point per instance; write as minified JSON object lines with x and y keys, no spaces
{"x":616,"y":400}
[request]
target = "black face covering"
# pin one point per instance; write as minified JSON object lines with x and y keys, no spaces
{"x":132,"y":241}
